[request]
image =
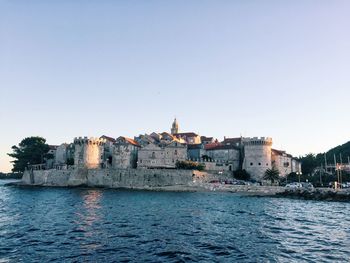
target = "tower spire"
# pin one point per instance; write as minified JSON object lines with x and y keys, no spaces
{"x":175,"y":127}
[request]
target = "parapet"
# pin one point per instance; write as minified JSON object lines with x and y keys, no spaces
{"x":258,"y":141}
{"x":90,"y":141}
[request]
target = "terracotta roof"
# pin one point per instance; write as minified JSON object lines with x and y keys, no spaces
{"x":187,"y":134}
{"x":131,"y":141}
{"x":108,"y":138}
{"x":211,"y":145}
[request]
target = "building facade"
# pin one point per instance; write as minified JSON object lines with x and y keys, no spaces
{"x":125,"y":153}
{"x":161,"y":156}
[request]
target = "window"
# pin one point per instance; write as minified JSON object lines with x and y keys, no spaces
{"x":259,"y":163}
{"x":175,"y":152}
{"x":153,"y":155}
{"x":251,"y":164}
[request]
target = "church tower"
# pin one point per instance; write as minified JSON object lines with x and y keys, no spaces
{"x":175,"y":127}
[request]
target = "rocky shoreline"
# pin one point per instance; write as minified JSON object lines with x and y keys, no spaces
{"x":318,"y":194}
{"x":169,"y":180}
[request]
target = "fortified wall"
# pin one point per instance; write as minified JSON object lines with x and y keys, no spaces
{"x":111,"y":178}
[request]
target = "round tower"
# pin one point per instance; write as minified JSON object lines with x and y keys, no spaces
{"x":88,"y":152}
{"x":175,"y":127}
{"x":257,"y":156}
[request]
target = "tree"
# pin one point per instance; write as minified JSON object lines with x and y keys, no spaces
{"x":272,"y":175}
{"x":308,"y":163}
{"x":31,"y":150}
{"x":242,"y":175}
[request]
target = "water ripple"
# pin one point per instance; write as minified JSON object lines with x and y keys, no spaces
{"x":89,"y":225}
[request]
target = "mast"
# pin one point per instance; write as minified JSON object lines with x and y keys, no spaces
{"x":340,"y":172}
{"x":336,"y":170}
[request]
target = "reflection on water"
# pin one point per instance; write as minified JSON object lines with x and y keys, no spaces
{"x":86,"y":218}
{"x":91,"y":203}
{"x":87,"y":225}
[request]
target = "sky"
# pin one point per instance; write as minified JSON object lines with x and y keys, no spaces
{"x":224,"y":68}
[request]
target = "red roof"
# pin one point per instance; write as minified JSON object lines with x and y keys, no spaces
{"x":108,"y":138}
{"x":211,"y":145}
{"x":131,"y":141}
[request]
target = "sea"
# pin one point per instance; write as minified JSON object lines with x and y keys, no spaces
{"x":108,"y":225}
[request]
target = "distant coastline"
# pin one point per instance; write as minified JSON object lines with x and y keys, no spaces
{"x":11,"y":175}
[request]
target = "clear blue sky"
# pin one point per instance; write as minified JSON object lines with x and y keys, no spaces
{"x":224,"y":68}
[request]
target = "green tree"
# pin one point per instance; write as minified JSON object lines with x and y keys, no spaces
{"x":308,"y":163}
{"x":242,"y":175}
{"x":31,"y":150}
{"x":271,"y":175}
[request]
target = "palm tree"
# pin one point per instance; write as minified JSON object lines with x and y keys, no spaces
{"x":272,"y":175}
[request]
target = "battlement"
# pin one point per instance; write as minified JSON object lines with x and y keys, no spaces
{"x":258,"y":141}
{"x":90,"y":141}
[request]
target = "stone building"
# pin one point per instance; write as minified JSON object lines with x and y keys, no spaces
{"x":89,"y":152}
{"x":125,"y":153}
{"x":189,"y":137}
{"x":257,"y":156}
{"x":281,"y":161}
{"x":195,"y":152}
{"x":61,"y":154}
{"x":296,"y":166}
{"x":207,"y":140}
{"x":186,"y":137}
{"x":284,"y":163}
{"x":225,"y":156}
{"x":161,"y":155}
{"x":108,"y":150}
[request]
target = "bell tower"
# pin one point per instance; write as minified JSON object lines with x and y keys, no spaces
{"x":175,"y":127}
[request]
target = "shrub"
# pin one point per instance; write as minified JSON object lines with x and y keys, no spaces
{"x":242,"y":175}
{"x":189,"y":165}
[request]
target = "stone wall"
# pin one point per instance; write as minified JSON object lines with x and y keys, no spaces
{"x":112,"y":178}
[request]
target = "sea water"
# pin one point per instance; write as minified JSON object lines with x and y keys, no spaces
{"x":105,"y":225}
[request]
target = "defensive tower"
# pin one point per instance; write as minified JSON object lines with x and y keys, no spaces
{"x":257,"y":156}
{"x":88,"y":152}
